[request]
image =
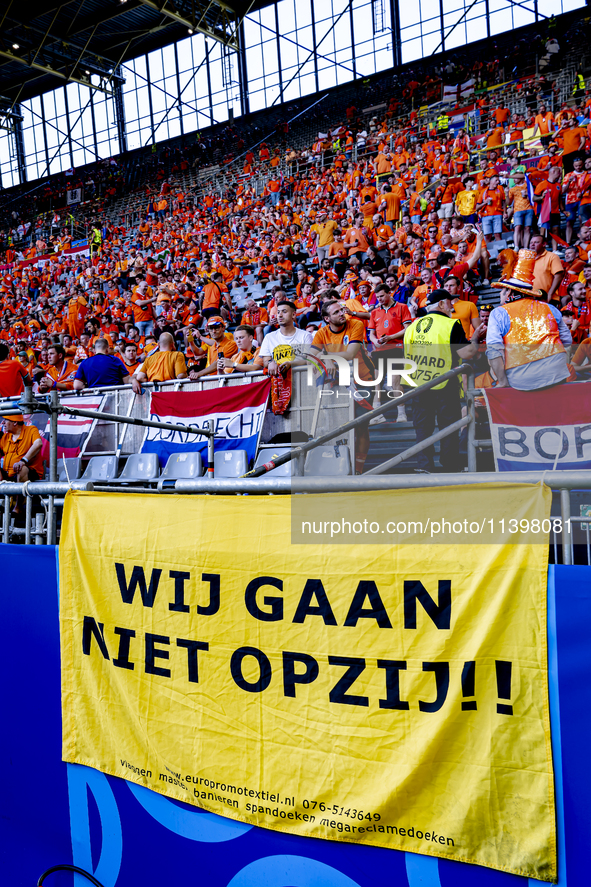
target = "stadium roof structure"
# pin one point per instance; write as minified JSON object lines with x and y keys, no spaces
{"x":44,"y":45}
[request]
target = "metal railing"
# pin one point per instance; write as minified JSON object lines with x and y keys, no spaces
{"x":42,"y":527}
{"x":41,"y":521}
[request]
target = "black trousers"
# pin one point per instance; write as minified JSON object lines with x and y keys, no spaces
{"x":442,"y":407}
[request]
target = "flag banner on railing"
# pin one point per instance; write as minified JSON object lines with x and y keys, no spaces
{"x":384,"y":694}
{"x":540,"y":430}
{"x":238,"y":414}
{"x":72,"y":431}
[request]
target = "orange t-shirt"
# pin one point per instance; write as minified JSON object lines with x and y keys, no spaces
{"x":164,"y":365}
{"x":353,"y":331}
{"x":12,"y":374}
{"x":64,"y":376}
{"x":392,"y":200}
{"x":571,"y":138}
{"x":543,"y":122}
{"x":141,"y":315}
{"x":212,"y":295}
{"x":496,"y":207}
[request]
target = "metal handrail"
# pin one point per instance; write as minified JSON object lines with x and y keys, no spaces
{"x":557,"y":480}
{"x":148,"y":386}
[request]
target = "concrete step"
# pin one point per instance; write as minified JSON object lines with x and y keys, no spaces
{"x":388,"y":439}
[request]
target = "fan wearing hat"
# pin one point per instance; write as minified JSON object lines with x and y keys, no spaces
{"x":435,"y":342}
{"x":20,"y":447}
{"x":526,"y":336}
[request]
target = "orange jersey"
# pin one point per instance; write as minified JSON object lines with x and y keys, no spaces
{"x":353,"y":332}
{"x":65,"y":376}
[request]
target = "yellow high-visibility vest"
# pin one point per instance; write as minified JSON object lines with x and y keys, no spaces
{"x":427,"y":342}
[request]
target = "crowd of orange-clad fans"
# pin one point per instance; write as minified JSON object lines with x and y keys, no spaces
{"x":388,"y":212}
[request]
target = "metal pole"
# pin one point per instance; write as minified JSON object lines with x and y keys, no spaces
{"x":43,"y":488}
{"x":132,"y":420}
{"x":51,"y":521}
{"x":567,"y":552}
{"x":210,"y":451}
{"x":576,"y":480}
{"x":38,"y":534}
{"x":6,"y":520}
{"x":53,"y":436}
{"x":28,"y":518}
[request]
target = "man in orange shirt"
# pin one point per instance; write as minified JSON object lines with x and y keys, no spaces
{"x":163,"y":365}
{"x":213,"y":296}
{"x":520,"y":209}
{"x":218,"y":344}
{"x":549,"y":193}
{"x":544,"y":125}
{"x":20,"y":446}
{"x":356,"y":239}
{"x":13,"y":375}
{"x":445,"y":194}
{"x":61,"y":372}
{"x":143,"y":313}
{"x":495,"y":137}
{"x":502,"y":115}
{"x":255,"y":316}
{"x":573,"y":137}
{"x":77,"y":311}
{"x":346,"y":336}
{"x":390,"y":204}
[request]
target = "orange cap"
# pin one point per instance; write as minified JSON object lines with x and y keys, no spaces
{"x":16,"y":418}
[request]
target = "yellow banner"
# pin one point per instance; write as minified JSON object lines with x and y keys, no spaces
{"x":393,"y":695}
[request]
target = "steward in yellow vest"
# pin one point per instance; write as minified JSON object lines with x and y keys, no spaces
{"x":436,"y":342}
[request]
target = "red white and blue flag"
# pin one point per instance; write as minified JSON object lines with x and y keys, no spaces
{"x":238,"y":414}
{"x":541,"y":430}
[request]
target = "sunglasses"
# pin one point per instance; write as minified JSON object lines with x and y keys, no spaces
{"x":487,"y":307}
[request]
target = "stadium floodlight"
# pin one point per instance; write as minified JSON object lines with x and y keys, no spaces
{"x":15,"y":46}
